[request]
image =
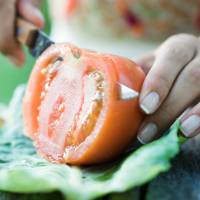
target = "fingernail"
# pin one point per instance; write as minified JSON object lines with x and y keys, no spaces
{"x":147,"y":133}
{"x":190,"y":125}
{"x":150,"y":103}
{"x":185,"y":113}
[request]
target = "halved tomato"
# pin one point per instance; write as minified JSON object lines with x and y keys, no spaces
{"x":72,"y":107}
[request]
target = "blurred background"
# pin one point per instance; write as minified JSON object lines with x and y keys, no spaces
{"x":129,"y":28}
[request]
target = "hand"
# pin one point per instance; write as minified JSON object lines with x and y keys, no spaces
{"x":171,"y":86}
{"x":28,"y":10}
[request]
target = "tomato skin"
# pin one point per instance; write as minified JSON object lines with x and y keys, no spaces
{"x":117,"y":123}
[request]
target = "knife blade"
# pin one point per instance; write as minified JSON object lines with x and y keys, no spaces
{"x":29,"y":35}
{"x":127,"y":93}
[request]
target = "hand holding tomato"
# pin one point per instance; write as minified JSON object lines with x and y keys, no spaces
{"x":171,"y":86}
{"x":28,"y":9}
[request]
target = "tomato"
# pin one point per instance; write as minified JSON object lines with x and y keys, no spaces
{"x":72,"y":107}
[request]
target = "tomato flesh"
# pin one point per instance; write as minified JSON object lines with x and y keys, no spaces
{"x":85,"y":120}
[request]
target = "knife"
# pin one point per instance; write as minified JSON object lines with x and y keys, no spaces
{"x":29,"y":35}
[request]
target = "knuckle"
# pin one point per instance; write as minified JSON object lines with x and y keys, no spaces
{"x":179,"y":47}
{"x":182,"y":37}
{"x":177,"y":52}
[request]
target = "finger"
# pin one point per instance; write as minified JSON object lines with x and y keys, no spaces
{"x":17,"y":56}
{"x":184,"y":93}
{"x":190,"y":123}
{"x":146,"y":62}
{"x":30,"y":12}
{"x":8,"y":44}
{"x":171,"y":58}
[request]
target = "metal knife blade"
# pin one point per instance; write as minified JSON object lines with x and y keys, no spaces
{"x":36,"y":40}
{"x":40,"y":43}
{"x":127,"y":93}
